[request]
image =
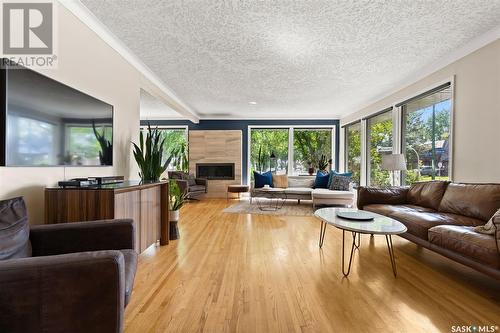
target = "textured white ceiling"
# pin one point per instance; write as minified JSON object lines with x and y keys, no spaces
{"x":153,"y":108}
{"x":296,"y":59}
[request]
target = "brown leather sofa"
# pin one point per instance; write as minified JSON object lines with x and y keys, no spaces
{"x":72,"y":277}
{"x":441,"y":216}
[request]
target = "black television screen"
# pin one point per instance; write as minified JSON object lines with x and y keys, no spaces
{"x":47,"y":123}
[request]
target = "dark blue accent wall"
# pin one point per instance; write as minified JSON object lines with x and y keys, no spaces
{"x":243,"y":126}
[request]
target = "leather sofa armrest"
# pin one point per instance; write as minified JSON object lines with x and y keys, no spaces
{"x":78,"y":292}
{"x":52,"y":239}
{"x":496,"y":223}
{"x":381,"y":195}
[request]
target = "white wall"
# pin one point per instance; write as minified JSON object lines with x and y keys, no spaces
{"x":88,"y":64}
{"x":476,"y":128}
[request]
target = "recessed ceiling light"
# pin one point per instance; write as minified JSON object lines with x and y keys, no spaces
{"x":252,"y":103}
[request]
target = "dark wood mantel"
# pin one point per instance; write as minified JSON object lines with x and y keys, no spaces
{"x":144,"y":202}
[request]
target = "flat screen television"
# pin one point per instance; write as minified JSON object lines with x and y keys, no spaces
{"x":46,"y":123}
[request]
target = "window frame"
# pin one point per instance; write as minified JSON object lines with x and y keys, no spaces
{"x":397,"y":118}
{"x":402,"y":119}
{"x":389,"y":111}
{"x":290,"y":142}
{"x":346,"y":151}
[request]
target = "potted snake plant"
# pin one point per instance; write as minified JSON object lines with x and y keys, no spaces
{"x":176,"y":201}
{"x":148,"y":154}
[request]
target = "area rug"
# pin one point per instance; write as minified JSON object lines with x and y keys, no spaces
{"x":290,"y":208}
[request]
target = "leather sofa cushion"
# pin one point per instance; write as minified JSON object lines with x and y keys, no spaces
{"x":478,"y":201}
{"x":376,"y":195}
{"x":418,"y":223}
{"x":427,"y":194}
{"x":465,"y":241}
{"x":130,"y":260}
{"x":14,"y":229}
{"x":387,"y":210}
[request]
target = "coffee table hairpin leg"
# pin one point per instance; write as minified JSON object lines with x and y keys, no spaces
{"x":355,"y":245}
{"x":322,"y":231}
{"x":352,"y":251}
{"x":388,"y":239}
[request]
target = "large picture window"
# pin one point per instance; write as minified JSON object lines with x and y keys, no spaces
{"x":353,"y":150}
{"x":269,"y":150}
{"x":379,"y":142}
{"x":292,"y":150}
{"x":312,"y":147}
{"x":426,"y":123}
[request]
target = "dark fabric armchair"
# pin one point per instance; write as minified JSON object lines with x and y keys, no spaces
{"x":189,"y":185}
{"x":78,"y":279}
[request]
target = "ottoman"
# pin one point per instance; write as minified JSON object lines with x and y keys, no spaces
{"x":236,"y":189}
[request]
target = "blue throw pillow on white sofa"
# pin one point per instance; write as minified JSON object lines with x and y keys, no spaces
{"x":265,"y":178}
{"x":333,"y":173}
{"x":321,"y":180}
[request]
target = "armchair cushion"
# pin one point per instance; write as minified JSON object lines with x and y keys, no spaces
{"x":78,"y":292}
{"x":14,"y":229}
{"x":130,"y":260}
{"x":197,"y":188}
{"x":52,"y":239}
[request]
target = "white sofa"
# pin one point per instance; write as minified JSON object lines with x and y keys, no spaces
{"x":301,"y":188}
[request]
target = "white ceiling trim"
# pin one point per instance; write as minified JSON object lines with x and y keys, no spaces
{"x":474,"y":45}
{"x":89,"y":19}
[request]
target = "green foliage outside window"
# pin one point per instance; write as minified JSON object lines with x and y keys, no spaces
{"x":426,"y":140}
{"x":353,"y":151}
{"x":309,"y":146}
{"x":380,"y":143}
{"x":267,"y":141}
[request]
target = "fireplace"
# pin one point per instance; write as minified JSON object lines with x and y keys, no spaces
{"x":224,"y":171}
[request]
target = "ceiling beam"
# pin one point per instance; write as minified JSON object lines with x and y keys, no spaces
{"x":150,"y":81}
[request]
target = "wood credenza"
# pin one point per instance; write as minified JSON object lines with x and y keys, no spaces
{"x":144,"y":202}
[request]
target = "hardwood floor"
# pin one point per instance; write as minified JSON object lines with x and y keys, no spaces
{"x":258,"y":273}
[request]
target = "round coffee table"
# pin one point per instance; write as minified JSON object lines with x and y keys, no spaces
{"x":380,"y":225}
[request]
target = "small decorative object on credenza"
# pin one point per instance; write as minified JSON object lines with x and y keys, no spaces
{"x":91,"y":181}
{"x":176,"y":201}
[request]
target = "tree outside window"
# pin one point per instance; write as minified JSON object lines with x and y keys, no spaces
{"x":176,"y":144}
{"x":353,"y":150}
{"x":263,"y":143}
{"x":379,"y":143}
{"x":426,"y":135}
{"x":311,"y":147}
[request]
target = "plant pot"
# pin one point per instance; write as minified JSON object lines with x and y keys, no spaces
{"x":174,"y":215}
{"x":311,"y":171}
{"x":174,"y":229}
